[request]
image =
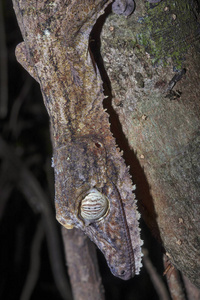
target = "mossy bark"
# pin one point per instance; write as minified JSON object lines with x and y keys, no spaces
{"x":141,"y":55}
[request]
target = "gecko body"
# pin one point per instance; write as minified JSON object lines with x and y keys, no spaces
{"x":89,"y":169}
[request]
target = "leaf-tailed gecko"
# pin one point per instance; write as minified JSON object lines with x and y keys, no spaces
{"x":93,"y":188}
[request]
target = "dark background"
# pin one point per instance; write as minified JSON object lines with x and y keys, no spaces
{"x":25,"y":145}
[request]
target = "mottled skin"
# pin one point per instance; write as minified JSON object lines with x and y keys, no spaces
{"x":85,"y":156}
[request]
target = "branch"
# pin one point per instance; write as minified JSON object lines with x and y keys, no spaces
{"x":82,"y":266}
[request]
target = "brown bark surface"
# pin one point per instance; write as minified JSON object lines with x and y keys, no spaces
{"x":82,"y":266}
{"x":162,"y":128}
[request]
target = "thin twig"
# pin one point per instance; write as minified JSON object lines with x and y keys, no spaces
{"x":34,"y":263}
{"x":156,"y":279}
{"x":174,"y":282}
{"x":17,"y":105}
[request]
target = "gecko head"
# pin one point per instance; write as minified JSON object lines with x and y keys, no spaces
{"x":105,"y":221}
{"x":94,"y":194}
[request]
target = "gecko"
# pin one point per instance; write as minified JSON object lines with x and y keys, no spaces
{"x":93,"y":187}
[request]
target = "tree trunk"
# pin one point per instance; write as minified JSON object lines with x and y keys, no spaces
{"x":152,"y":62}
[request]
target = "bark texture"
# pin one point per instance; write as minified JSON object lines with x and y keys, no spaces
{"x":160,"y":119}
{"x":82,"y":266}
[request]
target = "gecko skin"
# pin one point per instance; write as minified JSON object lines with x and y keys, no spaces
{"x":85,"y":156}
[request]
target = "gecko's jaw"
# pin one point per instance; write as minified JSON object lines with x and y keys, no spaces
{"x":123,"y":273}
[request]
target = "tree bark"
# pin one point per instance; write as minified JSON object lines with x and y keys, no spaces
{"x":152,"y":70}
{"x":82,"y":266}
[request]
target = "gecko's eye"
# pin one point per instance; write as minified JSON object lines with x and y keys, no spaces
{"x":94,"y":206}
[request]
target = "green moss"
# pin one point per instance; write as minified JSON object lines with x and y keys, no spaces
{"x":168,"y":30}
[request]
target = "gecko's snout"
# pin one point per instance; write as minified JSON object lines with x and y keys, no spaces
{"x":123,"y":273}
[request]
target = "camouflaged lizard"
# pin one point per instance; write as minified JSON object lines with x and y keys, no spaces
{"x":93,"y":188}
